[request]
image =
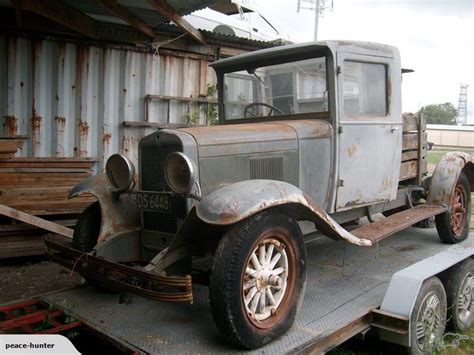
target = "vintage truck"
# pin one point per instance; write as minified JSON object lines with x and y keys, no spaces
{"x":307,"y":132}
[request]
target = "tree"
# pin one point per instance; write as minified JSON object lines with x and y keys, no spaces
{"x":440,"y":113}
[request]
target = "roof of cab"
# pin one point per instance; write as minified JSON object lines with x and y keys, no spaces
{"x":291,"y":50}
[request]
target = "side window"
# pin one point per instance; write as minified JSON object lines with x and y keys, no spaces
{"x":365,"y":89}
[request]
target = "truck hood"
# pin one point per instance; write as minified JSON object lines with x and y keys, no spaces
{"x":251,"y":138}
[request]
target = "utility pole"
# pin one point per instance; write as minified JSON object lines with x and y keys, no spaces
{"x":319,"y":7}
{"x":461,"y":118}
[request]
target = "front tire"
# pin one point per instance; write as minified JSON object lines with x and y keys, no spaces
{"x":258,"y":278}
{"x":453,"y":226}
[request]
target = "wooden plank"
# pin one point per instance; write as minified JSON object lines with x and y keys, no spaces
{"x":164,"y":9}
{"x":63,"y":14}
{"x":410,"y":141}
{"x":410,"y":122}
{"x":44,"y":170}
{"x":19,"y":164}
{"x":10,"y":146}
{"x":408,"y":170}
{"x":409,"y":155}
{"x":21,"y":245}
{"x":36,"y":221}
{"x":128,"y":17}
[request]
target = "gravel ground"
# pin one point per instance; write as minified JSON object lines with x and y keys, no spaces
{"x":22,"y":278}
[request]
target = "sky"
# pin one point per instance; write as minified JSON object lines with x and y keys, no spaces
{"x":435,"y":38}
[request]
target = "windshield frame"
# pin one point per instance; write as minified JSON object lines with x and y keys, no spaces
{"x":330,"y":86}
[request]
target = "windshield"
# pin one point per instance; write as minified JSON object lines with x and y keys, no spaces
{"x":282,"y":89}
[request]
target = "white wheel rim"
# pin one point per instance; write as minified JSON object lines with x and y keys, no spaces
{"x":265,"y":279}
{"x":465,"y":298}
{"x":428,"y":320}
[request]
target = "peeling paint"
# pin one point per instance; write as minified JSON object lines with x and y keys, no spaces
{"x":36,"y":132}
{"x":11,"y":126}
{"x":83,"y":133}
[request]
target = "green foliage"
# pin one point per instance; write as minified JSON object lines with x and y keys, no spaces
{"x":191,"y":117}
{"x":440,"y":113}
{"x":211,"y":90}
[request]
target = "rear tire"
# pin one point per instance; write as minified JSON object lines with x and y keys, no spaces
{"x":460,"y":295}
{"x":428,"y":318}
{"x":258,"y":279}
{"x":453,"y":226}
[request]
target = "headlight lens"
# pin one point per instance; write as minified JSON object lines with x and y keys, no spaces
{"x":179,"y":173}
{"x":120,"y":172}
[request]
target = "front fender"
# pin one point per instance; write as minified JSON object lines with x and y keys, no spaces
{"x":241,"y":200}
{"x":118,"y":213}
{"x":446,"y":174}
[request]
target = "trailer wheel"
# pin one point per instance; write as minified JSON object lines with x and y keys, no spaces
{"x":460,"y":294}
{"x":453,"y":226}
{"x":258,"y":279}
{"x":87,"y":228}
{"x":428,"y":317}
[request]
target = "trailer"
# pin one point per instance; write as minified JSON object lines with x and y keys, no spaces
{"x":349,"y":290}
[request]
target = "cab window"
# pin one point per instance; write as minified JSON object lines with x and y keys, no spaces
{"x":365,"y":89}
{"x":276,"y":90}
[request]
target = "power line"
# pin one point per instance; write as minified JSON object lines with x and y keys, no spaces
{"x":319,"y":7}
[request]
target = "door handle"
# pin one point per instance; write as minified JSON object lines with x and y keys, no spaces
{"x":394,"y":129}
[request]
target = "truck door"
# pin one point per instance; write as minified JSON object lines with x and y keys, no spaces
{"x":370,"y":129}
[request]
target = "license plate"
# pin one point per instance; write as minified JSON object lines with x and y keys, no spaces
{"x":154,"y":201}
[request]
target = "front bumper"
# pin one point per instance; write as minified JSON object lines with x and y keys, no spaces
{"x":119,"y":276}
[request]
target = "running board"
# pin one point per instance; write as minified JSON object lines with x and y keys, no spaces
{"x":384,"y":228}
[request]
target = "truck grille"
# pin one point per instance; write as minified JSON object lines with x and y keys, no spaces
{"x":153,"y":153}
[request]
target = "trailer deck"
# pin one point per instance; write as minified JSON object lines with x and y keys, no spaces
{"x":344,"y":284}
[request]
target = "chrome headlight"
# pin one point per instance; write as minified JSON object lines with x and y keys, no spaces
{"x":120,"y":172}
{"x":179,"y":173}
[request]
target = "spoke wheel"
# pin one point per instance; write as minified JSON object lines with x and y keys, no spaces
{"x":268,"y":274}
{"x":458,"y":210}
{"x":428,"y":317}
{"x":258,"y":278}
{"x":459,"y":282}
{"x":453,"y":226}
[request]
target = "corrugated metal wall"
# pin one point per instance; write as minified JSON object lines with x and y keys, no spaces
{"x":71,"y":99}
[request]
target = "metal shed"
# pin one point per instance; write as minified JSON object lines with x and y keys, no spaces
{"x":90,"y":78}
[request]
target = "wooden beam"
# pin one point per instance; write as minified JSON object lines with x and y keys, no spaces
{"x":128,"y":17}
{"x":36,"y":221}
{"x":62,"y":14}
{"x":164,"y":9}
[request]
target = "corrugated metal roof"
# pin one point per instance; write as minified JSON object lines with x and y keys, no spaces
{"x":141,"y":9}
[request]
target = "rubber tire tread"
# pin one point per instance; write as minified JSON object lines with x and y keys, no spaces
{"x":227,"y":308}
{"x":452,"y":283}
{"x":443,"y":221}
{"x":433,"y":283}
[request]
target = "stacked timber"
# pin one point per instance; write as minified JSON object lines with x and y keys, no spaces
{"x":414,"y":148}
{"x":8,"y":148}
{"x":39,"y":186}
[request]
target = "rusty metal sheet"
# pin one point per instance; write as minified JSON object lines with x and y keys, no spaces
{"x":241,"y":200}
{"x":395,"y":223}
{"x":446,"y":175}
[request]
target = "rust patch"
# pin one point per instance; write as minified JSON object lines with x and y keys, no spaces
{"x":11,"y":126}
{"x":36,"y":129}
{"x":351,"y":150}
{"x":60,"y":125}
{"x":83,"y":134}
{"x":106,"y":142}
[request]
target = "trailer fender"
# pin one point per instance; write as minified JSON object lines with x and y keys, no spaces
{"x":236,"y":202}
{"x":446,"y":175}
{"x":119,"y":213}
